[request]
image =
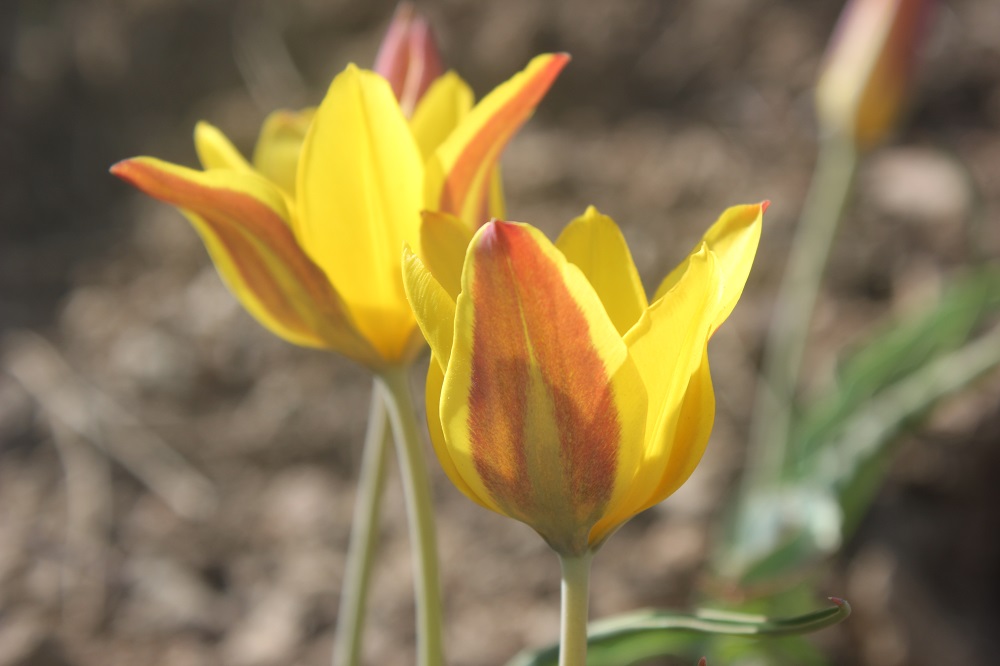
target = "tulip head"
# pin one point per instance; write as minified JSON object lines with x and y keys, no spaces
{"x":868,"y":67}
{"x":308,"y":234}
{"x":409,"y":57}
{"x":557,"y":394}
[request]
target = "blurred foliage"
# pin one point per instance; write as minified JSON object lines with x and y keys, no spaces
{"x":841,"y":440}
{"x":632,"y":638}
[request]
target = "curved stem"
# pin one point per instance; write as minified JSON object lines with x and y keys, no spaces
{"x":786,"y":341}
{"x":416,"y":490}
{"x":364,"y":535}
{"x":575,"y":604}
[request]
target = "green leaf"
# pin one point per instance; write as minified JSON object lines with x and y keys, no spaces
{"x":903,"y":348}
{"x":841,"y":441}
{"x":627,"y":639}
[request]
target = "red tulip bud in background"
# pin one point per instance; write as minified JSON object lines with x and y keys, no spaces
{"x":409,"y":57}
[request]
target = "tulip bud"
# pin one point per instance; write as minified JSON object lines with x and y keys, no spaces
{"x":409,"y":57}
{"x":868,"y":66}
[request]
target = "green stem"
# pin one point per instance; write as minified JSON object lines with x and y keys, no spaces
{"x":417,"y":492}
{"x":575,"y":602}
{"x":364,"y":535}
{"x":786,"y":342}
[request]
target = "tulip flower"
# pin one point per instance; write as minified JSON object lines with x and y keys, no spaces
{"x":316,"y":258}
{"x":868,"y":67}
{"x":558,"y":395}
{"x":307,"y":235}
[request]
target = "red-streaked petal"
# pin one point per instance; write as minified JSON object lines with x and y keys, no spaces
{"x":540,"y":393}
{"x":458,"y":175}
{"x":432,"y":306}
{"x":243,"y":221}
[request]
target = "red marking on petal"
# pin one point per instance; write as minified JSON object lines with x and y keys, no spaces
{"x":252,"y":233}
{"x":526,"y":316}
{"x":764,"y":205}
{"x":494,"y":135}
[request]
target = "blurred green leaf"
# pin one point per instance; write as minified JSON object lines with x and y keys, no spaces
{"x":903,"y":348}
{"x":841,"y":441}
{"x":628,"y":639}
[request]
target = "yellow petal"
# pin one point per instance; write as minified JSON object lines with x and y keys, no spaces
{"x":243,"y":221}
{"x":442,"y":108}
{"x":594,"y":243}
{"x":733,"y":239}
{"x":458,"y":174}
{"x":694,"y":426}
{"x":433,"y":307}
{"x":667,"y":345}
{"x":359,"y":194}
{"x":215,"y":151}
{"x":443,"y":240}
{"x":276,"y":155}
{"x":542,"y":404}
{"x":432,"y":398}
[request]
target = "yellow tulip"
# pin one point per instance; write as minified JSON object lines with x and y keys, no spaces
{"x":316,"y":257}
{"x":868,"y":66}
{"x":557,"y":394}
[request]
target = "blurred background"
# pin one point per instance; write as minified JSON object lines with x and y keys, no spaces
{"x":176,"y":483}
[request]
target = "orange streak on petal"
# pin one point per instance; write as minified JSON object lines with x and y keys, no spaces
{"x":465,"y":184}
{"x":531,"y":339}
{"x":256,"y":241}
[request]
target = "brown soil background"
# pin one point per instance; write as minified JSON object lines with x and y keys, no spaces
{"x":176,"y":484}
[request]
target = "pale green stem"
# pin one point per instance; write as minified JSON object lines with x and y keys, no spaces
{"x":575,"y":603}
{"x":417,"y":493}
{"x":786,"y":341}
{"x":364,"y":535}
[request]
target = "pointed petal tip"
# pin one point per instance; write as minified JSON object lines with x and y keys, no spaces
{"x":764,"y":205}
{"x":126,"y":169}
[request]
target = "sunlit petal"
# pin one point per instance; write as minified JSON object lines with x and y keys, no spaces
{"x":540,"y":392}
{"x":667,"y":345}
{"x":439,"y":112}
{"x":458,"y":174}
{"x":444,"y":239}
{"x":594,"y":243}
{"x":279,"y":146}
{"x":216,"y":151}
{"x":733,"y":239}
{"x":243,"y":221}
{"x":359,"y":194}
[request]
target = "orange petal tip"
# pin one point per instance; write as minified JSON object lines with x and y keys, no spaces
{"x":764,"y":205}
